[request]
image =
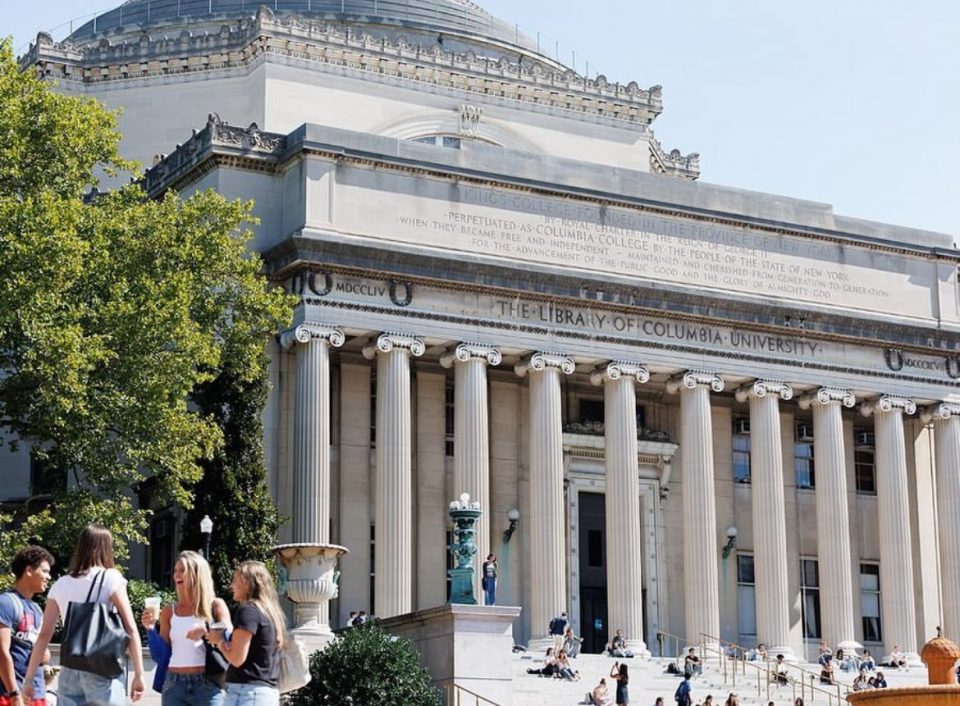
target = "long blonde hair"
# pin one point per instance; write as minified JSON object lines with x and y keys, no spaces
{"x":263,"y":594}
{"x":196,"y":574}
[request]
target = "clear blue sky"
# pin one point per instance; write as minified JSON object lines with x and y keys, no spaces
{"x":854,"y":103}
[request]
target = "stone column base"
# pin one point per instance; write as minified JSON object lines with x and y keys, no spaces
{"x":467,"y":645}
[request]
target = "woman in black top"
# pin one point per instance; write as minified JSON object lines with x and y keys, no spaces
{"x":622,"y":677}
{"x":259,"y":629}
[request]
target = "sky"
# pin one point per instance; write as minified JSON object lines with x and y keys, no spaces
{"x":855,"y":103}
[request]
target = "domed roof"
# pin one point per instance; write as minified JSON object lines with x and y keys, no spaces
{"x":456,"y":17}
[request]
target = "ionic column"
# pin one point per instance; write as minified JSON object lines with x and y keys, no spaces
{"x":548,"y":575}
{"x":769,"y":518}
{"x":311,"y":430}
{"x":896,"y":563}
{"x":624,"y":539}
{"x":471,"y":437}
{"x":701,"y":581}
{"x":946,"y":429}
{"x":833,"y":518}
{"x":393,"y":547}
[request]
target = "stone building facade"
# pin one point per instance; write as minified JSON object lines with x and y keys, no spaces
{"x":718,"y":412}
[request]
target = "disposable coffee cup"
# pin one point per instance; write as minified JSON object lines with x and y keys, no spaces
{"x":215,"y":631}
{"x":153,"y":604}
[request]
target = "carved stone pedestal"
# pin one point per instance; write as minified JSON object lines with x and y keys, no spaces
{"x":311,"y":583}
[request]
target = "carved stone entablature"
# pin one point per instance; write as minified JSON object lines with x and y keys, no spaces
{"x":598,"y":428}
{"x":827,"y":395}
{"x":304,"y":333}
{"x":762,"y":388}
{"x":888,"y":403}
{"x":386,"y":342}
{"x":289,"y":36}
{"x":466,"y":351}
{"x":673,"y":163}
{"x":691,"y":378}
{"x":940,"y":412}
{"x":469,"y":124}
{"x":541,"y":361}
{"x":614,"y":370}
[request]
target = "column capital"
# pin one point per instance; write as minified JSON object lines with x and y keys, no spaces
{"x":386,"y":342}
{"x":542,"y":361}
{"x":825,"y":396}
{"x":691,"y":378}
{"x":465,"y":351}
{"x":762,"y":388}
{"x":616,"y":369}
{"x":304,"y":333}
{"x":888,"y":403}
{"x":939,"y":412}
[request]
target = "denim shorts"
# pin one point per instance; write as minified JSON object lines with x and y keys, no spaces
{"x":251,"y":695}
{"x":76,"y":688}
{"x":190,"y":690}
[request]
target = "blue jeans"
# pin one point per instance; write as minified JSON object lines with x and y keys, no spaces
{"x":190,"y":690}
{"x":251,"y":695}
{"x":76,"y":688}
{"x":489,"y":591}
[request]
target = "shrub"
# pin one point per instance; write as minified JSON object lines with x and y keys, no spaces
{"x":365,"y":666}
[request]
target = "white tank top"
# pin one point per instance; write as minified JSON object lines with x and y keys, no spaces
{"x":185,"y":652}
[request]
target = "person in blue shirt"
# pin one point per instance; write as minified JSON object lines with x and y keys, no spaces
{"x":682,"y":697}
{"x":20,"y":620}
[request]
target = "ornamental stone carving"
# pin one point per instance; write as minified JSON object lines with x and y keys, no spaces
{"x":762,"y":388}
{"x":542,"y":361}
{"x":470,"y":120}
{"x":304,"y":333}
{"x":691,"y":378}
{"x":614,"y":370}
{"x":386,"y":342}
{"x":465,"y":351}
{"x":941,"y":411}
{"x":827,"y":395}
{"x":888,"y":403}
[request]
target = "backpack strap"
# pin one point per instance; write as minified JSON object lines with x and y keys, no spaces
{"x":17,"y":608}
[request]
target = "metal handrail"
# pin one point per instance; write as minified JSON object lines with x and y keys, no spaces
{"x":453,"y":696}
{"x":771,"y":675}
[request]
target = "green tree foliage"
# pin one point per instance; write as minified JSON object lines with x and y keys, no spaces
{"x":113,"y":310}
{"x":365,"y":665}
{"x":233,"y":490}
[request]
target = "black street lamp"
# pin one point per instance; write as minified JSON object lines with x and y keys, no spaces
{"x":206,"y":529}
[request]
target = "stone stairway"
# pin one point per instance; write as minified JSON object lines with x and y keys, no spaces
{"x":649,"y":679}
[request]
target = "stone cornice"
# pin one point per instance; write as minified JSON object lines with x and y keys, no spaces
{"x":888,"y":403}
{"x":762,"y":388}
{"x":541,"y":361}
{"x":692,"y":378}
{"x":614,"y":370}
{"x":467,"y":351}
{"x":940,"y":412}
{"x":673,"y":163}
{"x":387,"y":342}
{"x":827,"y":395}
{"x":319,"y":43}
{"x":304,"y":333}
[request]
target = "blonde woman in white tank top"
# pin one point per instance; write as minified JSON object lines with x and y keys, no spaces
{"x":182,"y":626}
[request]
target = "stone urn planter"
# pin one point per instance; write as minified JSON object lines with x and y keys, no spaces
{"x":311,"y":582}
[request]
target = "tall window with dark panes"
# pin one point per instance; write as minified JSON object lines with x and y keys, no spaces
{"x":746,"y":599}
{"x":741,"y":451}
{"x":810,"y":594}
{"x":449,"y":419}
{"x":803,"y":457}
{"x":870,"y":602}
{"x":864,"y":460}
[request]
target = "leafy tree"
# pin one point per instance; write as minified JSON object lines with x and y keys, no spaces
{"x":236,"y":477}
{"x":365,"y":665}
{"x":112,"y":310}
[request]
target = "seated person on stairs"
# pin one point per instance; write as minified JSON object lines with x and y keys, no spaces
{"x":618,"y":646}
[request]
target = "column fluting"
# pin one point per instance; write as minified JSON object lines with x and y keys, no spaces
{"x":548,"y":575}
{"x":896,"y":563}
{"x":946,"y":426}
{"x":311,"y":430}
{"x":701,"y":575}
{"x":833,"y":517}
{"x":622,"y":500}
{"x":769,"y":514}
{"x":471,"y":437}
{"x":393,"y":544}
